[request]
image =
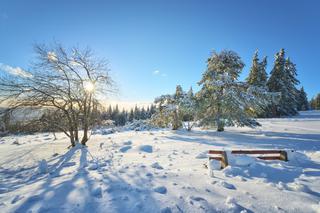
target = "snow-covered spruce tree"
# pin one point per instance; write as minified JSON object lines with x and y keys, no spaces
{"x":283,"y":80}
{"x":188,"y":110}
{"x":303,"y":103}
{"x":223,"y":100}
{"x":257,"y":79}
{"x":172,"y":109}
{"x":315,"y":102}
{"x":258,"y":75}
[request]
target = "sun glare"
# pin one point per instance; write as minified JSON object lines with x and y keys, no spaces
{"x":89,"y":86}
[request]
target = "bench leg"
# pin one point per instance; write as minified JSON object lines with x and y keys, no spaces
{"x":284,"y":155}
{"x":224,"y":160}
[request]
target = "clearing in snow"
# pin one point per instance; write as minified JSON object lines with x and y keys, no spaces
{"x":162,"y":171}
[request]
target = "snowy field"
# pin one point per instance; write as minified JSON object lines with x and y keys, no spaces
{"x":163,"y":171}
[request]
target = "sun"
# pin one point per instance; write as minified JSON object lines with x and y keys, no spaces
{"x":89,"y":86}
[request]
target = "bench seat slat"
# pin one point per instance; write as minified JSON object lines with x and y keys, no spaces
{"x":256,"y":152}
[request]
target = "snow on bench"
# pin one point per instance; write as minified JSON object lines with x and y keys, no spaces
{"x":221,"y":155}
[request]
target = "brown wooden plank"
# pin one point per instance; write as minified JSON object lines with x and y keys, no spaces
{"x":256,"y":152}
{"x":270,"y":157}
{"x":215,"y":158}
{"x":216,"y":152}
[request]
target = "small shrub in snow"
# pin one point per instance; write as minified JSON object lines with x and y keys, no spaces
{"x":138,"y":125}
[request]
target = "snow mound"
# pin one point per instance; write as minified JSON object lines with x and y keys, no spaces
{"x":244,"y":160}
{"x":202,"y":155}
{"x":213,"y":165}
{"x":93,"y":166}
{"x":146,"y":148}
{"x":43,"y":167}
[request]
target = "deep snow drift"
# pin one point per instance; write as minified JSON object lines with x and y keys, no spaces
{"x":163,"y":171}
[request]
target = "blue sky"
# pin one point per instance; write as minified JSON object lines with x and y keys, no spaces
{"x":154,"y":45}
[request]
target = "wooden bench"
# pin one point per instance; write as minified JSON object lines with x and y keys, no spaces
{"x":220,"y":156}
{"x":261,"y":154}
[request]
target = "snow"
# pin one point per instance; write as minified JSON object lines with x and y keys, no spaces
{"x":146,"y":148}
{"x":213,"y":165}
{"x":130,"y":171}
{"x":161,"y":189}
{"x":43,"y":167}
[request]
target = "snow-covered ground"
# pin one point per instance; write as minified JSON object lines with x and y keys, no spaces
{"x":163,"y":171}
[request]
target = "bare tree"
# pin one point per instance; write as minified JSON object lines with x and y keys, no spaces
{"x":66,"y":84}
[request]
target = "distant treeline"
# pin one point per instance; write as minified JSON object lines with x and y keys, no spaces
{"x":315,"y":102}
{"x":121,"y":117}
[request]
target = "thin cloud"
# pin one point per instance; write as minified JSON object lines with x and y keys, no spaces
{"x":17,"y":71}
{"x":157,"y":72}
{"x":163,"y":75}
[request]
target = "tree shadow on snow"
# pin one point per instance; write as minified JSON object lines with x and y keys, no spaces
{"x":53,"y":194}
{"x":252,"y":139}
{"x":81,"y":192}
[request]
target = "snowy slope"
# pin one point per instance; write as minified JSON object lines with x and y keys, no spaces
{"x":162,"y":171}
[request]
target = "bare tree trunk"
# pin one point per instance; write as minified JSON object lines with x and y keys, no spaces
{"x":175,"y":124}
{"x":73,"y":143}
{"x":220,"y":127}
{"x":219,"y":122}
{"x":85,"y":136}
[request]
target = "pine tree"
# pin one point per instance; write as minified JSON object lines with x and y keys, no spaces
{"x":258,"y":75}
{"x":173,"y":109}
{"x":283,"y":80}
{"x":303,"y":103}
{"x":190,"y":93}
{"x":257,"y":79}
{"x":315,"y":102}
{"x":136,"y":113}
{"x":131,"y":115}
{"x":222,"y":99}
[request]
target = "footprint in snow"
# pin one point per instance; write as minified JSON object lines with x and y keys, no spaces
{"x":146,"y":148}
{"x":127,"y":143}
{"x":160,"y":190}
{"x":156,"y":165}
{"x":125,"y":149}
{"x":16,"y":199}
{"x":224,"y":184}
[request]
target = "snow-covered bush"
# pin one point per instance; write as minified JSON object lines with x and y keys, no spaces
{"x":139,"y":125}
